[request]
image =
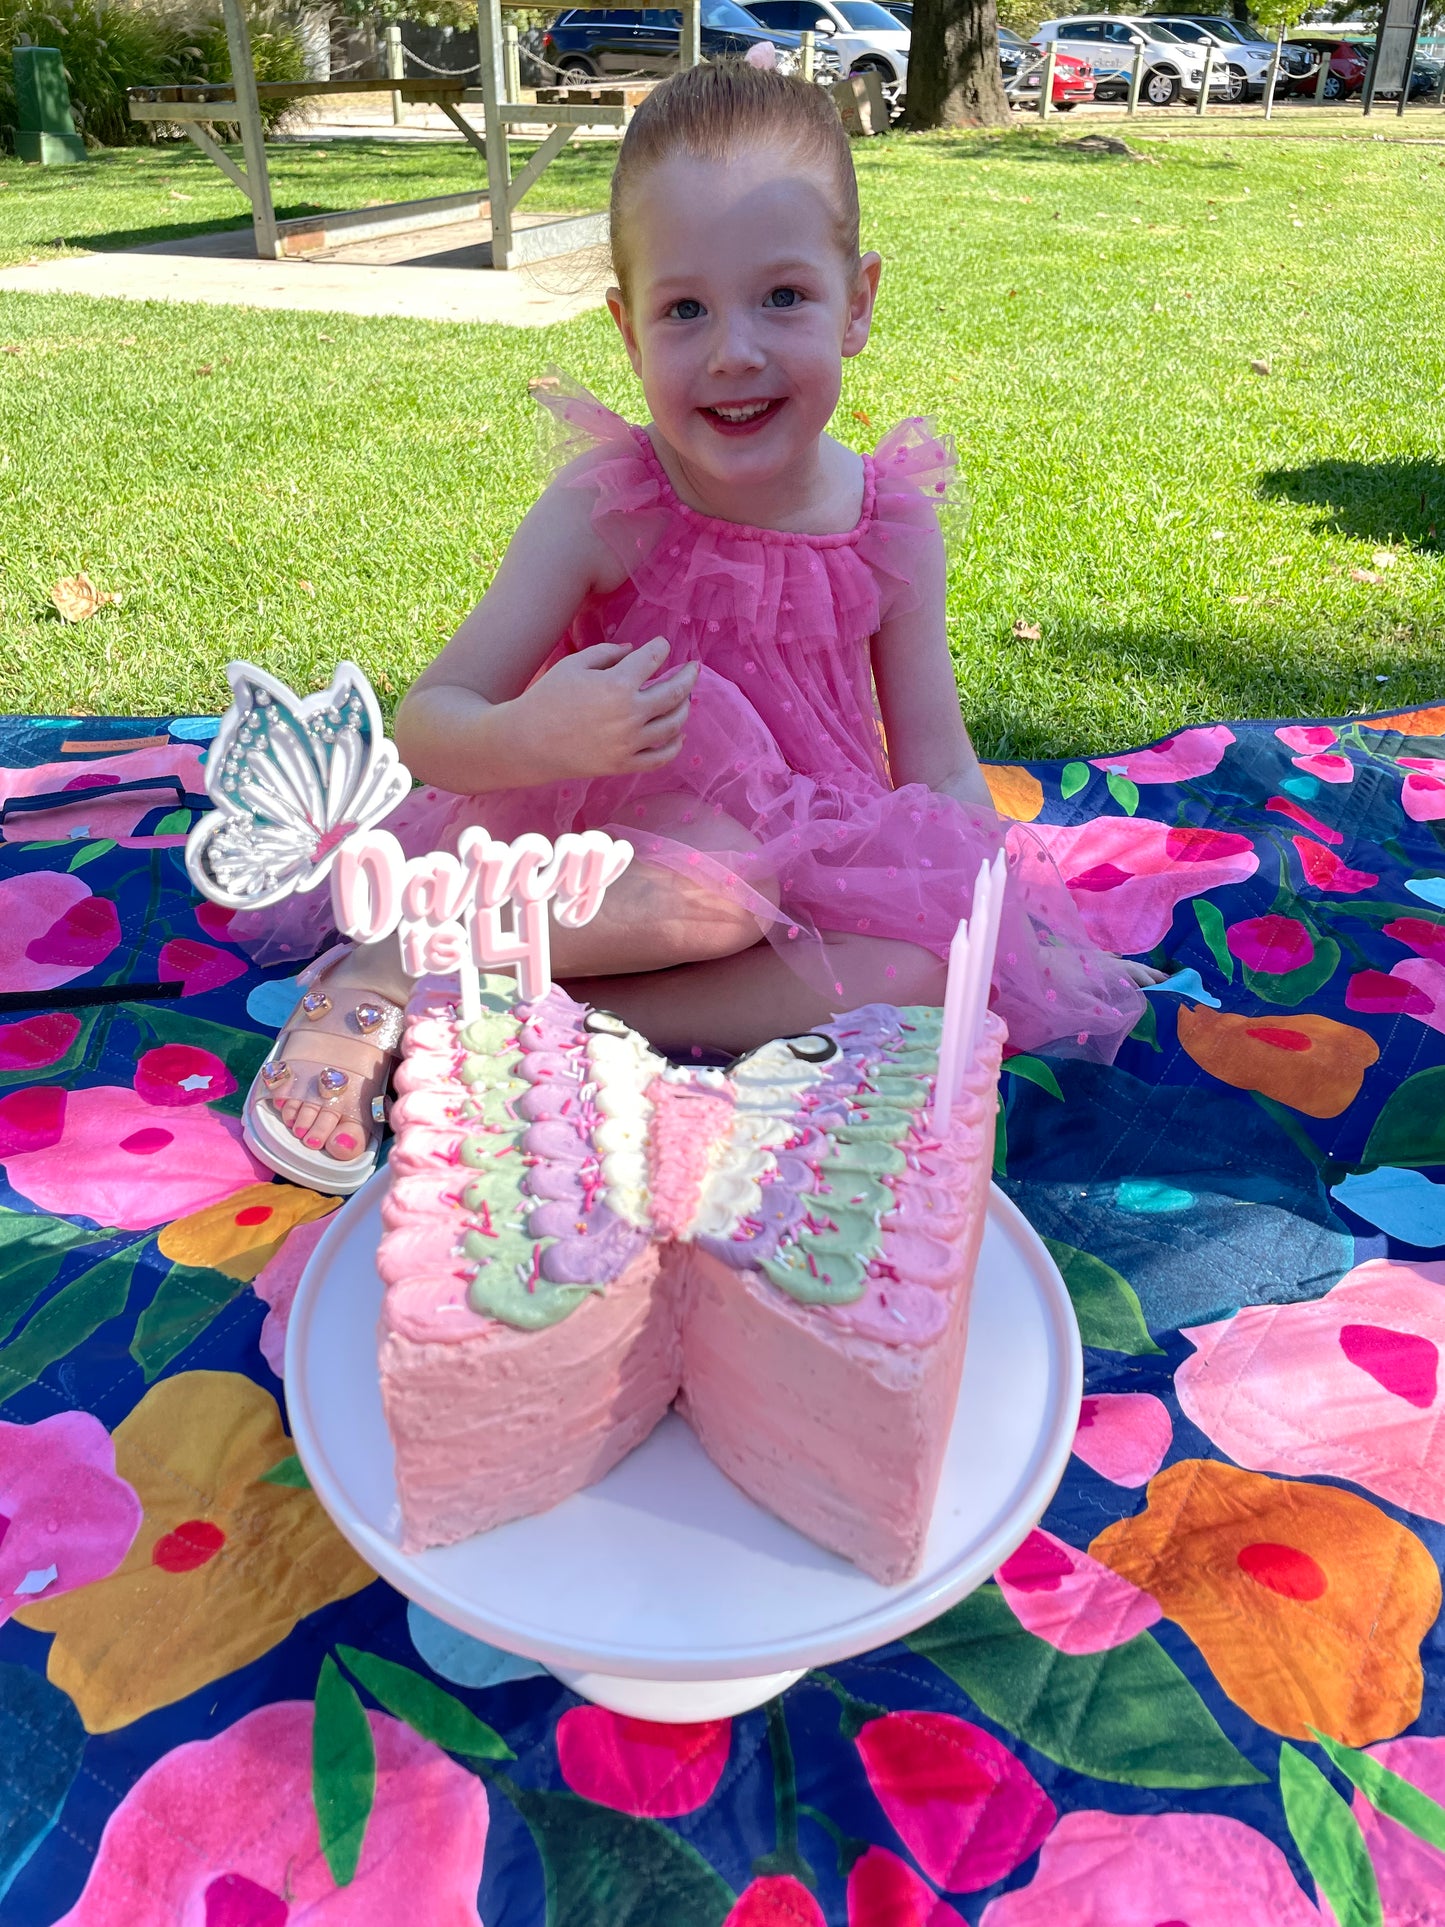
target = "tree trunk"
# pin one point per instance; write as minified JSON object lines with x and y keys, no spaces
{"x":953,"y":70}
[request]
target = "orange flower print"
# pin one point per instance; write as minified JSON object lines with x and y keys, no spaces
{"x":223,"y":1566}
{"x":1308,"y":1603}
{"x":1310,"y":1063}
{"x":241,"y":1233}
{"x":1016,"y":792}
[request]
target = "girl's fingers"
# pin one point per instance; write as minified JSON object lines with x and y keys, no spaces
{"x":660,"y":697}
{"x":662,"y":729}
{"x":655,"y":758}
{"x":601,"y":655}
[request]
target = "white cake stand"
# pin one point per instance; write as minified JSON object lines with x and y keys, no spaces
{"x":662,"y":1592}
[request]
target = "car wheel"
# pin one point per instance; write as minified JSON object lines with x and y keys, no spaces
{"x":1334,"y":87}
{"x":1162,"y":89}
{"x":577,"y":66}
{"x":1238,"y":86}
{"x":1064,"y":106}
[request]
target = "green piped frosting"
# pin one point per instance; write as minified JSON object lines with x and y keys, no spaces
{"x":830,"y":1267}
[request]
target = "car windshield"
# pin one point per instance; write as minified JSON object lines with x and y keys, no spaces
{"x":1227,"y":30}
{"x":868,"y":17}
{"x":723,"y":17}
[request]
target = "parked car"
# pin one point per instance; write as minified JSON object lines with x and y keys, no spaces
{"x":1013,"y":51}
{"x":902,"y":11}
{"x":1424,"y":74}
{"x":1172,"y":68}
{"x":864,"y":35}
{"x":1348,"y":67}
{"x":1235,"y":32}
{"x":1073,"y":82}
{"x":646,"y":41}
{"x":1247,"y":63}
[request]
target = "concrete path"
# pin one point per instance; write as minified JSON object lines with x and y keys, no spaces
{"x":439,"y":275}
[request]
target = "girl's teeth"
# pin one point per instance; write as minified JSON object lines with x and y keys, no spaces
{"x":741,"y":414}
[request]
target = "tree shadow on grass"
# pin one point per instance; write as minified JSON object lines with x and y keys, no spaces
{"x":1033,"y":144}
{"x":1401,"y":499}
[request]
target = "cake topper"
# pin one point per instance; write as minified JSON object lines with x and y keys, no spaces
{"x":301,"y":785}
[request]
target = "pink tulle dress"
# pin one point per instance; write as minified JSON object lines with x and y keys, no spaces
{"x":784,"y":738}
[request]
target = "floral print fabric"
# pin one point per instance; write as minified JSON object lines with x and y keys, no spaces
{"x":1205,"y":1689}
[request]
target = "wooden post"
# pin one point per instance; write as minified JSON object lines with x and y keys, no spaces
{"x":499,"y":165}
{"x":395,"y":69}
{"x":1046,"y":80}
{"x":512,"y":63}
{"x":253,"y":134}
{"x":1325,"y":58}
{"x":1207,"y":76}
{"x":1136,"y":80}
{"x":805,"y":54}
{"x":1272,"y":78}
{"x":690,"y":52}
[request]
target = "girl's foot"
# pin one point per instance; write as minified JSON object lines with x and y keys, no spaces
{"x":316,"y":1109}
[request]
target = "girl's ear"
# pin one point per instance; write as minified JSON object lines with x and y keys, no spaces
{"x":618,"y":308}
{"x":860,"y":305}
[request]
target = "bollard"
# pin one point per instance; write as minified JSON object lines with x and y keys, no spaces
{"x":46,"y":133}
{"x":395,"y":69}
{"x":1136,"y":80}
{"x":1046,"y":80}
{"x":805,"y":54}
{"x":512,"y":61}
{"x":1325,"y":59}
{"x":1272,"y":78}
{"x":1208,"y":76}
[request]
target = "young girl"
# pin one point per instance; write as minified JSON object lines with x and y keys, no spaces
{"x":753,"y":683}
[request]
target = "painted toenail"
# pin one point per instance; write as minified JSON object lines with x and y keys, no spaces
{"x":342,"y":1141}
{"x":315,"y":1143}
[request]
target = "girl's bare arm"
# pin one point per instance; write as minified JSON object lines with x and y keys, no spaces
{"x":475,"y":719}
{"x":918,"y":695}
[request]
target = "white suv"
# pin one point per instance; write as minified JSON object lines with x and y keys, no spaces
{"x":1245,"y":61}
{"x":865,"y":36}
{"x":1107,"y":41}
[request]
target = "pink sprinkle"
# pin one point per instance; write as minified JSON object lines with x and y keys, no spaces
{"x":812,"y":1263}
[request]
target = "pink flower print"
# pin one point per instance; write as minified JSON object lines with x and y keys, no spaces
{"x":967,"y":1809}
{"x":1425,"y":939}
{"x":1156,"y":1870}
{"x":641,"y":1767}
{"x":1271,"y":943}
{"x":1426,"y":978}
{"x":276,"y":1282}
{"x":1178,"y":759}
{"x":1318,"y":754}
{"x":117,"y":1160}
{"x":777,"y":1900}
{"x":200,"y":966}
{"x":1410,"y":1873}
{"x":1283,"y":806}
{"x":1128,"y":874}
{"x":884,"y":1891}
{"x":1124,"y":1436}
{"x":49,"y":930}
{"x":1324,"y":870}
{"x":1061,"y":1594}
{"x":215,"y":920}
{"x":66,"y":1519}
{"x":1347,"y":1386}
{"x":222,"y":1833}
{"x":1424,"y":792}
{"x":34,"y":1042}
{"x":176,"y":1075}
{"x":31,"y":1120}
{"x":92,"y":814}
{"x":1372,"y":990}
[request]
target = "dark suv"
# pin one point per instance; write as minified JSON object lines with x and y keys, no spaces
{"x":588,"y":45}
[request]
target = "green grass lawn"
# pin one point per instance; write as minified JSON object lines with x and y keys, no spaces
{"x":298,"y":487}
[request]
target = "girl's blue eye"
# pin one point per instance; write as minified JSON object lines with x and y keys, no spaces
{"x":784,"y":298}
{"x":687,"y":310}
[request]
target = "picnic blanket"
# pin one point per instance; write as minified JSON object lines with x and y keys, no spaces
{"x":1207,"y":1692}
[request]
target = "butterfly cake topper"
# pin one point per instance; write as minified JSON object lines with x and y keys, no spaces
{"x":301,"y":786}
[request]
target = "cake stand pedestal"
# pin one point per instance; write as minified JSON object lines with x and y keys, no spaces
{"x":662,"y":1591}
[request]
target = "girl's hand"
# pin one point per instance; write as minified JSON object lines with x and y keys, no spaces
{"x":597,"y":713}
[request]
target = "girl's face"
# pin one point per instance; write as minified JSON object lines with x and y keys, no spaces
{"x":740,"y":309}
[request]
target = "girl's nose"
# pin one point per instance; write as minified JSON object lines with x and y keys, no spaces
{"x":735,"y":346}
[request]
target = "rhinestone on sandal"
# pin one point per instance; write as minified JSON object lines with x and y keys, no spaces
{"x":316,"y":1003}
{"x":369,"y":1018}
{"x":274,"y":1074}
{"x":332,"y":1080}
